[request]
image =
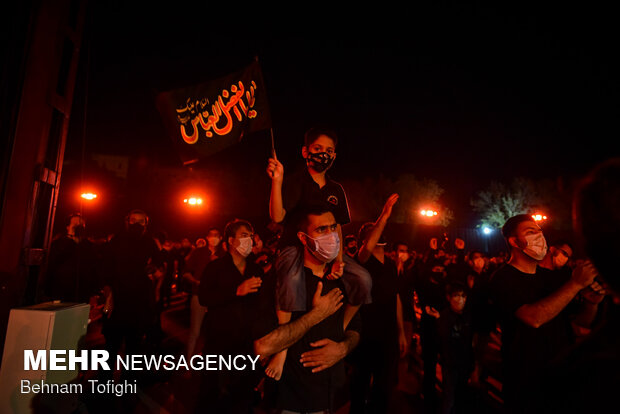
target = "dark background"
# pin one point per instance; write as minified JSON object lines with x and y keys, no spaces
{"x":463,"y":94}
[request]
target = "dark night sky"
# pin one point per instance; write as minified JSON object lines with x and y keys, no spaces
{"x":460,"y":94}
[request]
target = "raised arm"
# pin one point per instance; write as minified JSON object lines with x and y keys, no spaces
{"x":275,"y":171}
{"x":373,"y":237}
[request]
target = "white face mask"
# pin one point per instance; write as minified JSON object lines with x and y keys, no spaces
{"x":478,"y":263}
{"x":536,"y":246}
{"x":245,"y":246}
{"x":325,"y":247}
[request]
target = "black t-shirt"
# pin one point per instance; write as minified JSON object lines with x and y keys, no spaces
{"x":299,"y":190}
{"x":126,"y":260}
{"x":232,"y":320}
{"x":299,"y":388}
{"x":379,"y":317}
{"x":71,"y":270}
{"x":525,"y":350}
{"x":455,"y":338}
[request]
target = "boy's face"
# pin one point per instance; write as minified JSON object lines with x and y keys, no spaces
{"x":457,"y":301}
{"x":320,"y":154}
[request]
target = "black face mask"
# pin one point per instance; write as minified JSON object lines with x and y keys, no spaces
{"x":79,"y":231}
{"x":135,"y":229}
{"x":352,"y":250}
{"x":321,"y":161}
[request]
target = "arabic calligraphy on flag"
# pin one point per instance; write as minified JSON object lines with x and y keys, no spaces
{"x":206,"y":118}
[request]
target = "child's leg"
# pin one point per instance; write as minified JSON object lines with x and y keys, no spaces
{"x":276,"y":364}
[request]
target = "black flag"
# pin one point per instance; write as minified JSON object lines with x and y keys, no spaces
{"x":206,"y":118}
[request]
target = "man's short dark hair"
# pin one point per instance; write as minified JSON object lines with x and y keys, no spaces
{"x":233,"y":226}
{"x":213,"y":229}
{"x":310,"y":210}
{"x":400,"y":243}
{"x":349,"y":238}
{"x":510,"y":227}
{"x":597,"y":210}
{"x":314,"y":133}
{"x":70,"y":217}
{"x":453,"y":288}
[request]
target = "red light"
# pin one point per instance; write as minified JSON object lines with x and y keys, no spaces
{"x":88,"y":196}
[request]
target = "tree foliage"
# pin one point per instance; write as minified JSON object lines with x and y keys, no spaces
{"x":500,"y":201}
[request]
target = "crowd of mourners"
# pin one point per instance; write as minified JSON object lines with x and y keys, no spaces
{"x":334,"y":315}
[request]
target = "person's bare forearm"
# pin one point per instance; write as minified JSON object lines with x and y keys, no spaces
{"x":373,"y":238}
{"x":286,"y":335}
{"x":352,"y":338}
{"x":541,"y":312}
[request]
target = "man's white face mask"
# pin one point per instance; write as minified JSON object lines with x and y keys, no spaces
{"x":536,"y":246}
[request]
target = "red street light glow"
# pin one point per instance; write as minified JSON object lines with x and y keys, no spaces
{"x":539,"y":217}
{"x":88,"y":196}
{"x":193,"y":201}
{"x":428,"y":213}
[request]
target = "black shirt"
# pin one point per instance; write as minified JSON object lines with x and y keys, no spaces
{"x":299,"y":190}
{"x":525,"y":350}
{"x":299,"y":388}
{"x":126,"y":260}
{"x":379,"y":317}
{"x":455,"y":338}
{"x":233,"y":320}
{"x":71,"y":270}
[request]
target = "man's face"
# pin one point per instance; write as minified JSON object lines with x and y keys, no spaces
{"x":316,"y":227}
{"x":242,"y":233}
{"x":402,"y":252}
{"x":477,"y":261}
{"x":525,"y":229}
{"x":137,"y":218}
{"x":457,"y":301}
{"x":561,"y":254}
{"x":351,"y":247}
{"x":136,"y":224}
{"x":75,"y":221}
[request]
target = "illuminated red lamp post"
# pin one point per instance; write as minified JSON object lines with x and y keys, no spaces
{"x":539,"y":217}
{"x":428,"y":213}
{"x":88,"y":196}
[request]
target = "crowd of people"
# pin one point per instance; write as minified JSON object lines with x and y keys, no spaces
{"x":329,"y":312}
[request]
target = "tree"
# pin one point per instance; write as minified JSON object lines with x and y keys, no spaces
{"x":499,"y":202}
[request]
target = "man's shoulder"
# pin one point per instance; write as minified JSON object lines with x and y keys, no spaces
{"x":219,"y":263}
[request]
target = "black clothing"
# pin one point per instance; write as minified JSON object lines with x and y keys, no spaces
{"x":300,"y":190}
{"x":196,"y":263}
{"x":430,"y":287}
{"x":375,"y":360}
{"x":233,"y":323}
{"x":586,"y":378}
{"x":231,"y":320}
{"x":455,"y":339}
{"x":299,"y":388}
{"x":126,"y":261}
{"x":71,"y":270}
{"x":526,"y":351}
